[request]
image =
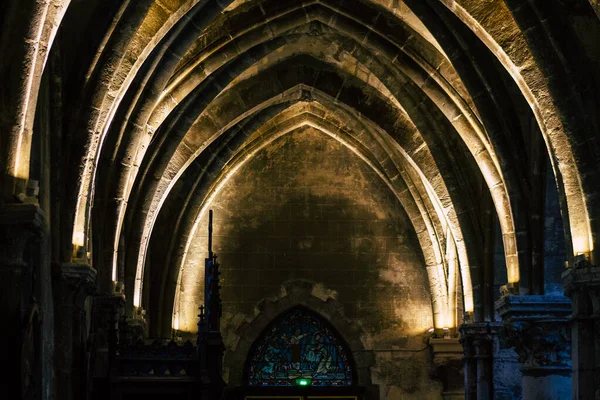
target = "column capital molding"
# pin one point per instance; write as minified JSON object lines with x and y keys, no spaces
{"x":79,"y":280}
{"x":23,"y":216}
{"x":446,"y":350}
{"x":78,"y":273}
{"x":582,"y":285}
{"x":477,"y":338}
{"x":533,"y":307}
{"x":583,"y":276}
{"x":448,"y":360}
{"x":538,"y":329}
{"x":479,"y":330}
{"x":19,"y":223}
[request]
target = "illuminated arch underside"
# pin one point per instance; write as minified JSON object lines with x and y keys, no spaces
{"x":166,"y":77}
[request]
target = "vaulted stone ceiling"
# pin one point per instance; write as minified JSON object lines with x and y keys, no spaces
{"x":455,"y":105}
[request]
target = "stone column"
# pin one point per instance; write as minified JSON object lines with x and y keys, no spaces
{"x":478,"y":345}
{"x":582,"y":285}
{"x":73,"y":283}
{"x":22,"y":230}
{"x":448,"y":357}
{"x":106,"y":313}
{"x":537,"y":327}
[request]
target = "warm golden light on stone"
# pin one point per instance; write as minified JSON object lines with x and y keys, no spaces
{"x":423,"y":175}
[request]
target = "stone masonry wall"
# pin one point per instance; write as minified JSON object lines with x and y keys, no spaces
{"x":308,"y":208}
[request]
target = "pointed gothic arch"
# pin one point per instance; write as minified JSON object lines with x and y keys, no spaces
{"x":305,"y":295}
{"x":300,"y":344}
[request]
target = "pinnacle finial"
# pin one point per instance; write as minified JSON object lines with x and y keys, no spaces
{"x":210,"y":231}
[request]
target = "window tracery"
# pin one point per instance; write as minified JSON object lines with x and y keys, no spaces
{"x":299,"y":348}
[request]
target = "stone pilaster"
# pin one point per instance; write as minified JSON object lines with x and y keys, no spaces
{"x":582,"y":285}
{"x":448,"y":358}
{"x":478,"y":340}
{"x":74,"y":283}
{"x":21,"y":225}
{"x":22,"y":233}
{"x":537,"y":328}
{"x":106,"y":312}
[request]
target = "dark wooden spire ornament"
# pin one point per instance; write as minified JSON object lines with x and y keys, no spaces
{"x":210,"y":341}
{"x":166,"y":367}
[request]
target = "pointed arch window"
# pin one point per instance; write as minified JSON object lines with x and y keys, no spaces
{"x":300,"y":348}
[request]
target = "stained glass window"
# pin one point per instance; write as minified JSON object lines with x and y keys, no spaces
{"x":299,"y":347}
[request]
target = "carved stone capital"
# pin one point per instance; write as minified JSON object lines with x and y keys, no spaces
{"x":19,"y":224}
{"x":448,"y":359}
{"x":477,"y":338}
{"x":582,"y":285}
{"x":446,"y":350}
{"x":78,"y":281}
{"x":537,"y":327}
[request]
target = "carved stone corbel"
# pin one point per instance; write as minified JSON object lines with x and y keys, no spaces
{"x":448,"y":359}
{"x":19,"y":224}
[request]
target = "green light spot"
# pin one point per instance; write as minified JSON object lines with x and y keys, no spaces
{"x":302,"y":382}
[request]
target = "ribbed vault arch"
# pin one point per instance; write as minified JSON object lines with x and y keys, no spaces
{"x":229,"y":108}
{"x":428,"y":92}
{"x":221,"y":106}
{"x":427,"y":235}
{"x":496,"y":180}
{"x":508,"y":44}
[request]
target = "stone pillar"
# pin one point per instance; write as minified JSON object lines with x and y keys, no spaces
{"x":582,"y":285}
{"x":22,"y":230}
{"x":478,"y":348}
{"x":537,"y":327}
{"x":448,"y":357}
{"x":106,"y":313}
{"x":73,"y":284}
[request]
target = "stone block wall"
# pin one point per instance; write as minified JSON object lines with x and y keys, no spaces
{"x":308,"y":208}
